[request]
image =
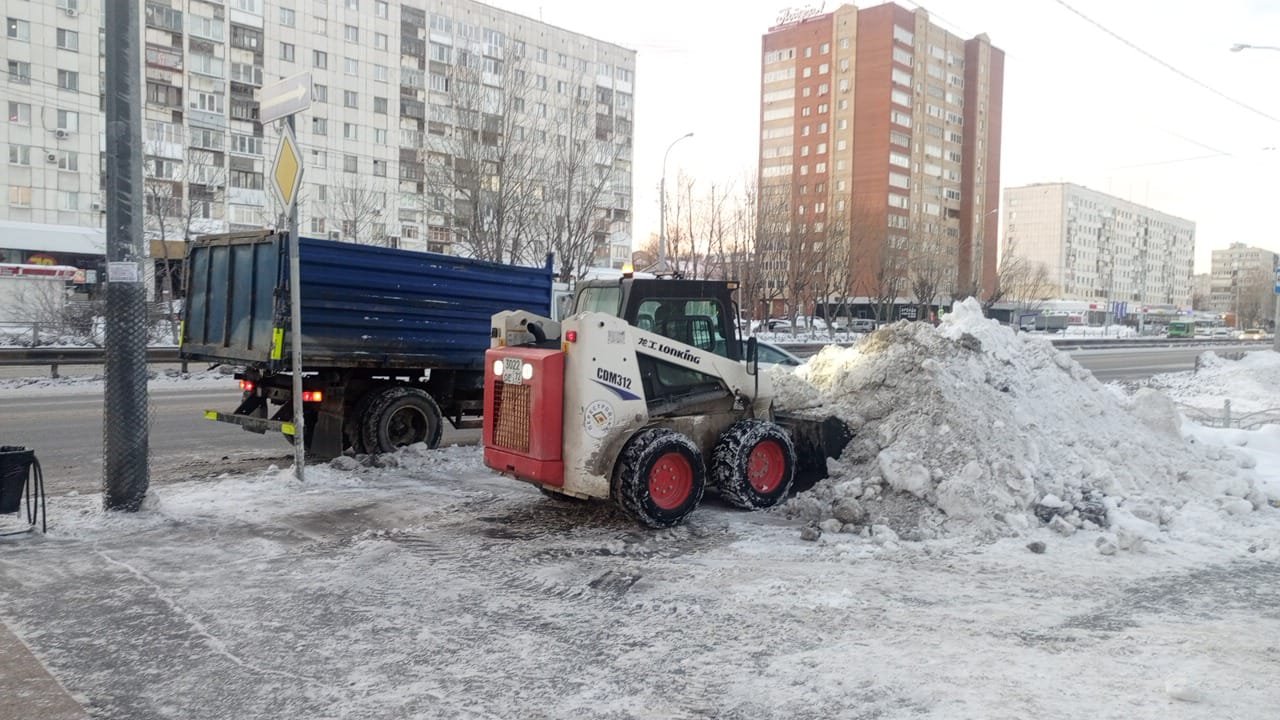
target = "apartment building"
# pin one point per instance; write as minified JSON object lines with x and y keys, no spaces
{"x":880,"y":130}
{"x":1100,"y":248}
{"x":1241,"y":280}
{"x":418,"y":111}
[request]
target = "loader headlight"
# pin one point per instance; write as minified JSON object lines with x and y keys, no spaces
{"x":526,"y":371}
{"x":497,"y":367}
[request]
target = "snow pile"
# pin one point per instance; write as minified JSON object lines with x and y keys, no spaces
{"x":35,"y":387}
{"x":971,"y":428}
{"x":1250,"y":382}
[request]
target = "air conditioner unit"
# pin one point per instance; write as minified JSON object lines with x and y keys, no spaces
{"x":95,"y":206}
{"x":335,"y":234}
{"x":71,"y":12}
{"x":61,"y":134}
{"x":51,"y":158}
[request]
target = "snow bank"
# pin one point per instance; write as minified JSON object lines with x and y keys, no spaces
{"x":1250,"y":382}
{"x":36,"y":387}
{"x":971,"y":428}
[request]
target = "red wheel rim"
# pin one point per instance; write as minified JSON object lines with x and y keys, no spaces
{"x":766,"y":467}
{"x":670,"y":480}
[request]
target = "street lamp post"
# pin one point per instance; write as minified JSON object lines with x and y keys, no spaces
{"x":662,"y":205}
{"x":1275,"y":341}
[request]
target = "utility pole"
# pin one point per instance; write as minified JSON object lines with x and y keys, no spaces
{"x":125,"y":471}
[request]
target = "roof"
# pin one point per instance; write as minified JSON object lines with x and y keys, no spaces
{"x":53,"y":238}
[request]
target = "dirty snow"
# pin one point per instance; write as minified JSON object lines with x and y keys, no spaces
{"x":970,"y":428}
{"x":1250,"y":382}
{"x":36,"y":387}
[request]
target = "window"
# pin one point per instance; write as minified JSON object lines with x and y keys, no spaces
{"x":68,"y":80}
{"x":353,"y":5}
{"x":902,"y":56}
{"x":380,"y":8}
{"x":69,"y":201}
{"x":317,"y":225}
{"x":380,"y":73}
{"x":319,"y":126}
{"x":208,"y":102}
{"x":320,"y":93}
{"x":320,"y":59}
{"x":68,"y":160}
{"x":901,"y":77}
{"x":206,"y":65}
{"x":350,"y":131}
{"x":350,"y":98}
{"x":19,"y":113}
{"x":380,"y":168}
{"x":903,"y":35}
{"x":320,"y":26}
{"x":380,"y":105}
{"x":899,"y":159}
{"x":351,"y":33}
{"x":350,"y":163}
{"x":899,"y":118}
{"x":19,"y":72}
{"x":246,"y":179}
{"x":246,"y":144}
{"x":19,"y":196}
{"x":19,"y":154}
{"x":286,"y":51}
{"x":16,"y":29}
{"x":68,"y":40}
{"x":899,"y":180}
{"x":68,"y":120}
{"x":379,"y":41}
{"x":379,"y":136}
{"x":288,"y":17}
{"x":350,"y":66}
{"x":900,"y":97}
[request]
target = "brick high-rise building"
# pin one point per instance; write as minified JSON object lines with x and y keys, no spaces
{"x":879,"y":130}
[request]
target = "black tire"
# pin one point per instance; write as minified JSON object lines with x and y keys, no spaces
{"x":400,"y":415}
{"x":659,"y":478}
{"x":754,"y":464}
{"x":352,"y":426}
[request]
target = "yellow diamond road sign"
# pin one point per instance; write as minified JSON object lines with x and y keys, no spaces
{"x":286,"y":171}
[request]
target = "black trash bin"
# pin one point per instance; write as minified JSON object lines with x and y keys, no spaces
{"x":15,"y":470}
{"x":20,"y":475}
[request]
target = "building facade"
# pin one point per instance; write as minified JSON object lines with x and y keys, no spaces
{"x":1100,"y":248}
{"x":880,"y":133}
{"x":430,"y":128}
{"x":1241,"y":281}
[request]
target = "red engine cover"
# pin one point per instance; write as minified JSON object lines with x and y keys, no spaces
{"x":524,"y":421}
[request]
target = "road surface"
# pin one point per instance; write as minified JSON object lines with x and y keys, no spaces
{"x":1138,"y":363}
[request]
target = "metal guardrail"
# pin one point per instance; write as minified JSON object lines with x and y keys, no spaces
{"x":55,"y":356}
{"x":807,"y":349}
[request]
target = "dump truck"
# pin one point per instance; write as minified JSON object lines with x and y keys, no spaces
{"x":393,"y":341}
{"x":646,"y":396}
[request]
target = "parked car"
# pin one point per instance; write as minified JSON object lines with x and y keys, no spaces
{"x":771,"y":354}
{"x":1253,"y":334}
{"x":862,"y":325}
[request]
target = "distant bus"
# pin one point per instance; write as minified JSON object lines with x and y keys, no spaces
{"x":1181,"y":328}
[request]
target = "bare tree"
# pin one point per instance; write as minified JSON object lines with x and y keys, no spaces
{"x":930,"y":264}
{"x":832,"y":269}
{"x":494,"y":162}
{"x":772,"y":243}
{"x":183,"y":198}
{"x":575,"y":220}
{"x":1019,"y":280}
{"x":358,"y":205}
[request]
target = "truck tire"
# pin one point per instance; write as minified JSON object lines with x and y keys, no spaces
{"x":659,"y":477}
{"x":400,"y":415}
{"x":753,"y":464}
{"x":352,"y":426}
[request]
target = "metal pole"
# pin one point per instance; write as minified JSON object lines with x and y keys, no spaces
{"x":295,"y":332}
{"x":662,"y":205}
{"x":125,"y":473}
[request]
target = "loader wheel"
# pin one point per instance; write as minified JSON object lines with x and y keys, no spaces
{"x":659,"y":478}
{"x":399,"y":416}
{"x":753,"y":464}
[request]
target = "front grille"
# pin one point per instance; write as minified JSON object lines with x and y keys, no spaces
{"x":511,"y":411}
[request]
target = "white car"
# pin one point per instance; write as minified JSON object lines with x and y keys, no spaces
{"x":770,"y":354}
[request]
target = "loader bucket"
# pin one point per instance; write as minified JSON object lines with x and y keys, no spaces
{"x":815,"y":439}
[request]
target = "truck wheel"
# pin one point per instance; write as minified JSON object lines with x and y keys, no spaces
{"x":400,"y":415}
{"x":753,"y":464}
{"x":659,"y":477}
{"x":352,"y":426}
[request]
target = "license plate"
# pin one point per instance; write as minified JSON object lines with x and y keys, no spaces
{"x":511,"y":371}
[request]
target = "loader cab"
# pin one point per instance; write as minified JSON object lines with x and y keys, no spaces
{"x":699,"y":313}
{"x":694,"y":312}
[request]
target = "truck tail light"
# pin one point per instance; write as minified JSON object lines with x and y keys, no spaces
{"x":312,"y":396}
{"x":247,"y":385}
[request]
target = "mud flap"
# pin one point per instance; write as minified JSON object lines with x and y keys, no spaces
{"x":815,"y":439}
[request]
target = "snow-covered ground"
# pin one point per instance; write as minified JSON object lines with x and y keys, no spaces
{"x":158,"y":379}
{"x":1006,"y":538}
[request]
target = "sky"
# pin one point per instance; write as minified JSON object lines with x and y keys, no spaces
{"x":1081,"y":105}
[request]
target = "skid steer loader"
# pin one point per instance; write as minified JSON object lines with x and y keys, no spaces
{"x":643,"y":396}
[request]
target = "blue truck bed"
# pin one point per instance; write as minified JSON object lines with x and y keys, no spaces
{"x":362,"y":306}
